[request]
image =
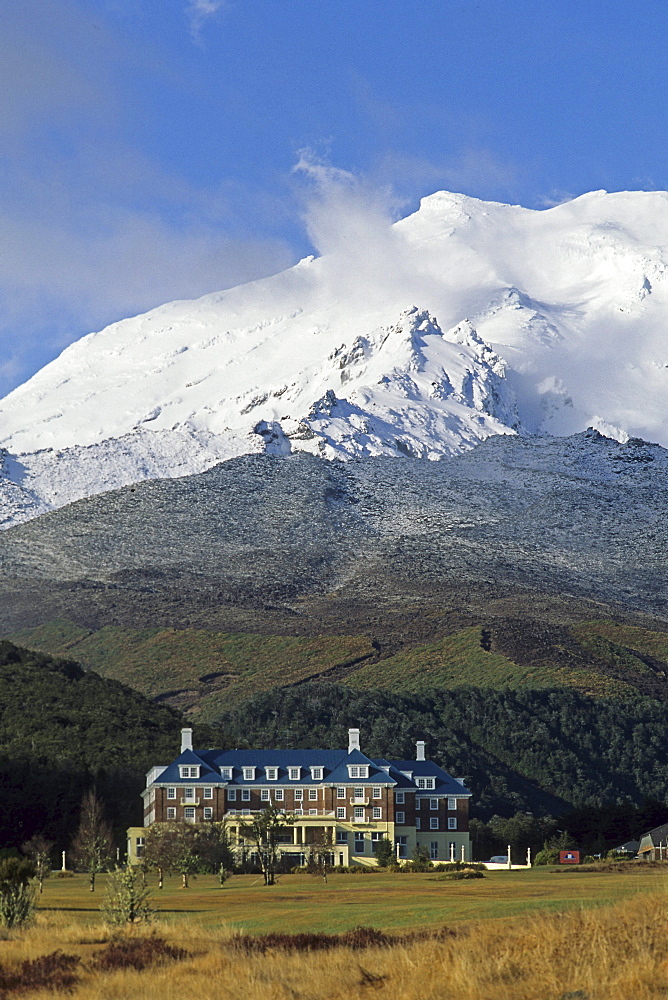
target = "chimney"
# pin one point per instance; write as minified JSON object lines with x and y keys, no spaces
{"x":186,"y":739}
{"x":420,"y":750}
{"x":353,"y":740}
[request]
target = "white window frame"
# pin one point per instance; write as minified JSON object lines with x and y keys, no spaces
{"x":299,"y":794}
{"x":341,"y":837}
{"x":189,"y":814}
{"x":231,"y":795}
{"x":400,"y":817}
{"x":452,"y":803}
{"x":264,"y":794}
{"x":248,"y":773}
{"x":433,"y":822}
{"x":400,"y":797}
{"x":433,"y":850}
{"x":316,"y":773}
{"x":208,"y":812}
{"x":358,"y":770}
{"x":418,"y":802}
{"x":171,"y":812}
{"x":358,"y":812}
{"x":271,"y":773}
{"x":189,"y":793}
{"x":433,"y":803}
{"x":402,"y":843}
{"x":245,"y":794}
{"x":278,"y":794}
{"x":340,"y":793}
{"x":208,"y":792}
{"x":171,"y":793}
{"x":226,"y":773}
{"x":189,"y":771}
{"x":452,"y":822}
{"x":313,"y":812}
{"x":421,"y":782}
{"x":377,"y":812}
{"x":431,"y":783}
{"x":294,"y":773}
{"x":377,"y":792}
{"x":340,"y":812}
{"x":313,"y":794}
{"x":417,"y":822}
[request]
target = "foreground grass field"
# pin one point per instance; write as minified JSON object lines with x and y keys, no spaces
{"x":552,"y":943}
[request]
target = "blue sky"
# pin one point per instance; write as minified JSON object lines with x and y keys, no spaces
{"x":148,"y":147}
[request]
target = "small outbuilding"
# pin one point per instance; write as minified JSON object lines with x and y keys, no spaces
{"x":654,"y":845}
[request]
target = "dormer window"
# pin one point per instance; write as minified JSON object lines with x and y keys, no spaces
{"x":426,"y":782}
{"x":226,"y":773}
{"x":249,"y":773}
{"x":316,"y":773}
{"x":272,"y":773}
{"x":358,"y":770}
{"x":294,"y":773}
{"x":189,"y":770}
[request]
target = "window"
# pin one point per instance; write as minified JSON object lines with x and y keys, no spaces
{"x":421,"y":782}
{"x":294,"y":773}
{"x":208,"y":793}
{"x":375,"y":837}
{"x":452,"y":804}
{"x":299,"y":794}
{"x":171,"y":812}
{"x":264,"y":794}
{"x":249,"y":773}
{"x":245,"y":812}
{"x":417,"y":822}
{"x":313,"y":793}
{"x":341,"y":837}
{"x":433,"y":823}
{"x":208,"y":812}
{"x":231,"y":794}
{"x":245,"y":794}
{"x":189,"y":814}
{"x":140,"y":846}
{"x":433,"y":850}
{"x":340,"y":793}
{"x":313,"y":812}
{"x":232,"y":812}
{"x":226,"y":773}
{"x":316,"y":773}
{"x":452,"y":822}
{"x":401,"y":846}
{"x":358,"y":793}
{"x":433,"y":803}
{"x":171,"y":793}
{"x":340,"y":812}
{"x":359,"y":844}
{"x":272,"y":773}
{"x":359,"y":812}
{"x":377,"y":793}
{"x":400,"y":797}
{"x":377,"y":812}
{"x":278,"y":794}
{"x":189,"y":794}
{"x":400,"y":817}
{"x":189,"y":772}
{"x":358,"y":770}
{"x":418,"y":802}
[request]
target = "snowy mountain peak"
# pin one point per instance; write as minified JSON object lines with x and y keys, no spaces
{"x":548,"y":322}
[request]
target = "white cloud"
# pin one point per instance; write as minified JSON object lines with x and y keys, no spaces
{"x":199,"y":11}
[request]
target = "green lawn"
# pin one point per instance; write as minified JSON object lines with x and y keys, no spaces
{"x":390,"y":902}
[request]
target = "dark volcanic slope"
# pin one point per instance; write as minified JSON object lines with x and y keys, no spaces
{"x":262,"y":542}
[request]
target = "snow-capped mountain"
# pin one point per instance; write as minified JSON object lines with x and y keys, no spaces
{"x":464,"y":320}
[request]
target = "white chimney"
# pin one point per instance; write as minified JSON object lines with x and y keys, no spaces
{"x":353,"y":740}
{"x":420,"y":750}
{"x":186,"y":739}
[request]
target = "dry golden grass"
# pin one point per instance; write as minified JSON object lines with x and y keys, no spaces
{"x":604,"y":953}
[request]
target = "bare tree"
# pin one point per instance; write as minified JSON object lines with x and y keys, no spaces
{"x":93,"y":842}
{"x":319,"y":857}
{"x":266,"y":832}
{"x":172,"y":848}
{"x":39,"y":850}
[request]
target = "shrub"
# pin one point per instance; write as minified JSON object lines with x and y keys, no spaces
{"x":48,"y":972}
{"x":457,"y":876}
{"x":17,"y":896}
{"x":136,"y":953}
{"x":356,"y":939}
{"x":127,"y":900}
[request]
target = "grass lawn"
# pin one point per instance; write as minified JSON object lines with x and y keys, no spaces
{"x":389,"y":902}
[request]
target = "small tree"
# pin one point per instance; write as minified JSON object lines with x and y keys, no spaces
{"x":319,"y":858}
{"x":265,"y":832}
{"x":39,"y":849}
{"x":127,"y":899}
{"x":384,"y":852}
{"x":211,"y":846}
{"x":93,"y":843}
{"x":17,"y":896}
{"x":171,"y":848}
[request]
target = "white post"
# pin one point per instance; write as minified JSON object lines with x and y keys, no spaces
{"x":463,"y":853}
{"x":64,"y":868}
{"x":509,"y":861}
{"x":528,"y":857}
{"x":398,"y":851}
{"x":452,"y":852}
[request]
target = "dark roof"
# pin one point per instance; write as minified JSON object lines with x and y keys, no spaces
{"x":656,"y":836}
{"x":333,"y":762}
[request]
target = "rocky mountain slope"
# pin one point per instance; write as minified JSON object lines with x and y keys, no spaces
{"x":464,"y":320}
